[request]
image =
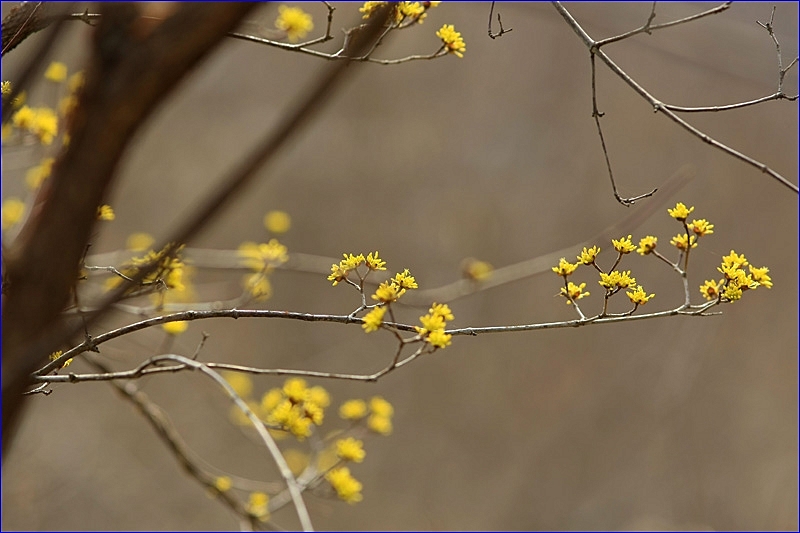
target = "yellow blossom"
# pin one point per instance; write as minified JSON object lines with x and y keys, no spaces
{"x":374,"y":319}
{"x":19,"y":100}
{"x":319,"y":396}
{"x":431,"y":322}
{"x":439,"y":339}
{"x":369,"y":8}
{"x":381,"y":407}
{"x":294,"y":21}
{"x":623,"y":245}
{"x":381,"y":425}
{"x":297,"y":460}
{"x":442,"y":310}
{"x":350,"y":449}
{"x":76,"y":81}
{"x":240,"y":383}
{"x":56,"y":355}
{"x":452,"y":40}
{"x":680,"y":211}
{"x":263,"y":257}
{"x":300,"y":427}
{"x":56,"y":72}
{"x":337,"y":274}
{"x":564,"y":268}
{"x":701,"y":227}
{"x":37,"y":174}
{"x":271,"y":399}
{"x":710,"y":289}
{"x":23,"y":118}
{"x":45,"y":125}
{"x":573,"y":292}
{"x":5,"y":87}
{"x":639,"y":296}
{"x":314,"y":412}
{"x":588,"y":256}
{"x":295,"y":389}
{"x":223,"y":483}
{"x":405,"y":280}
{"x":682,"y":241}
{"x":345,"y":485}
{"x":734,"y":260}
{"x":647,"y":244}
{"x":175,"y":328}
{"x":760,"y":275}
{"x":374,"y":262}
{"x":617,"y":279}
{"x":138,"y":242}
{"x":388,"y":292}
{"x":353,"y":410}
{"x":277,"y":221}
{"x":105,"y":212}
{"x":732,"y":292}
{"x":258,"y":505}
{"x":477,"y":270}
{"x":13,"y":210}
{"x":351,"y":262}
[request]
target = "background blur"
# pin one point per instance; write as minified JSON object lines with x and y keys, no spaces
{"x":664,"y":424}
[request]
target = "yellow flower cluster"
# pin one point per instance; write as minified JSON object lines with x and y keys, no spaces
{"x":56,"y":355}
{"x":612,"y":282}
{"x":40,"y":121}
{"x":350,"y":449}
{"x":433,"y":326}
{"x":295,"y":407}
{"x":351,"y":263}
{"x":294,"y":21}
{"x":36,"y":175}
{"x":262,"y":259}
{"x":736,"y":280}
{"x":388,"y":292}
{"x":346,"y":486}
{"x":404,"y":14}
{"x":380,"y":413}
{"x":729,"y":289}
{"x":451,"y":39}
{"x":258,"y":505}
{"x":105,"y":212}
{"x":13,"y":210}
{"x":171,"y":270}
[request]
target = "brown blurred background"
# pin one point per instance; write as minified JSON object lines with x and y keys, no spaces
{"x":679,"y":423}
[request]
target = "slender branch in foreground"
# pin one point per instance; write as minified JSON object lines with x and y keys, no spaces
{"x":92,"y":343}
{"x":239,"y":177}
{"x":659,"y":106}
{"x":166,"y":431}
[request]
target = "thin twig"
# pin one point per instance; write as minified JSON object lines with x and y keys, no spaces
{"x":596,"y":114}
{"x":649,"y":28}
{"x":658,"y":106}
{"x":500,"y":22}
{"x":781,"y":71}
{"x":166,"y":431}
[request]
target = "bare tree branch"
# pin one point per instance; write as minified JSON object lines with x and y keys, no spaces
{"x":128,"y":65}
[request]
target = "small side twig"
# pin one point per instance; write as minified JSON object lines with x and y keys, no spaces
{"x":596,"y":114}
{"x":500,"y":22}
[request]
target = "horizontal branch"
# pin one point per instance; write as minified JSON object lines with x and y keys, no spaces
{"x":91,"y":344}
